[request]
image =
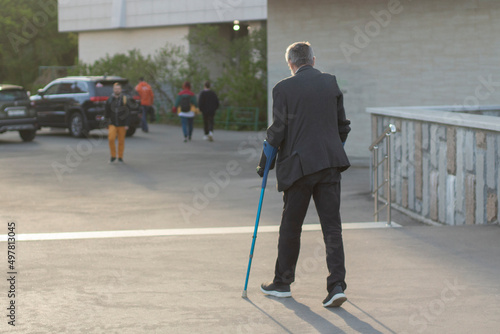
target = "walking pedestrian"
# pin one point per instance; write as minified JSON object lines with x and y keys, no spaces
{"x":147,"y":98}
{"x":309,"y":128}
{"x":208,"y":103}
{"x":186,"y":106}
{"x":117,"y":115}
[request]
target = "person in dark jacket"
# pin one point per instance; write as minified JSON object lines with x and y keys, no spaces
{"x":117,"y":115}
{"x":309,"y":128}
{"x":208,"y":102}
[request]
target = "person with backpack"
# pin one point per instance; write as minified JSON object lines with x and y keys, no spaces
{"x":208,"y":103}
{"x":147,"y":97}
{"x":186,"y":106}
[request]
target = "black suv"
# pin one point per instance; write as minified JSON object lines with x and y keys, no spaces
{"x":78,"y":103}
{"x":17,"y":112}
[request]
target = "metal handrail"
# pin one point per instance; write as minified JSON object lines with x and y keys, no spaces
{"x":386,"y":134}
{"x":391,"y":128}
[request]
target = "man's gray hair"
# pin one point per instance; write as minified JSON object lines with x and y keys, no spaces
{"x":300,"y":53}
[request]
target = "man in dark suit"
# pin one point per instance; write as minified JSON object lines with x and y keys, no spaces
{"x":309,"y":128}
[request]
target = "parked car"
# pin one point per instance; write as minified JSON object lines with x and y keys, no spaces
{"x":77,"y":103}
{"x":17,"y":112}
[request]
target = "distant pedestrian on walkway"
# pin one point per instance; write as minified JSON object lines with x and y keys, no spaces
{"x":186,"y":106}
{"x":117,"y":116}
{"x":208,"y":103}
{"x":309,"y":128}
{"x":147,"y":98}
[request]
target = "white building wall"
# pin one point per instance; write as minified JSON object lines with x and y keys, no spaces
{"x":93,"y":45}
{"x":117,"y":26}
{"x":427,"y":53}
{"x":82,"y":15}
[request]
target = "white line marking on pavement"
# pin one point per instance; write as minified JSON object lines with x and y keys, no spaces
{"x":179,"y":232}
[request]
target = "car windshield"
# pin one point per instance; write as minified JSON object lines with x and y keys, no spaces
{"x":104,"y":88}
{"x":13,"y":95}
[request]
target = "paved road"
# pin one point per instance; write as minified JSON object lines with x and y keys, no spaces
{"x":68,"y":184}
{"x":195,"y":198}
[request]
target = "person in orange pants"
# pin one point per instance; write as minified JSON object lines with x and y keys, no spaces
{"x":118,"y":116}
{"x":113,"y":133}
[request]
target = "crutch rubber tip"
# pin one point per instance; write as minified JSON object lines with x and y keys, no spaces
{"x":244,"y":294}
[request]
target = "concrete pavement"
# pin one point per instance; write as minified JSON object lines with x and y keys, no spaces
{"x":413,"y":279}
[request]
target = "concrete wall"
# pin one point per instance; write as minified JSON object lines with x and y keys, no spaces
{"x":83,"y":15}
{"x":93,"y":45}
{"x":444,"y":165}
{"x":425,"y":53}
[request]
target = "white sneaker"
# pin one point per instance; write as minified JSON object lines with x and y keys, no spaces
{"x":205,"y":137}
{"x":210,"y":136}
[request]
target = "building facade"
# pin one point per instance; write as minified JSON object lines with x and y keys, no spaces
{"x":393,"y":53}
{"x":117,"y":26}
{"x":384,"y":52}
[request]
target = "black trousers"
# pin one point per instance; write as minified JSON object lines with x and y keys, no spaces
{"x":324,"y":187}
{"x":208,"y":123}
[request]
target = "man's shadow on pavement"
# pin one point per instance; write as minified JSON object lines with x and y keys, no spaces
{"x":321,"y":324}
{"x":325,"y":326}
{"x":304,"y":312}
{"x":357,"y":324}
{"x":269,"y":316}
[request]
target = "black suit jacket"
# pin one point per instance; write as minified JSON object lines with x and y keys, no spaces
{"x":309,"y":125}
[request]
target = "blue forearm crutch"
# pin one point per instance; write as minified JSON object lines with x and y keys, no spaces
{"x":270,"y":153}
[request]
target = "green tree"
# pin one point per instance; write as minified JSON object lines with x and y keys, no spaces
{"x":131,"y":65}
{"x":243,"y":60}
{"x":30,"y":39}
{"x":171,"y":66}
{"x":165,"y":70}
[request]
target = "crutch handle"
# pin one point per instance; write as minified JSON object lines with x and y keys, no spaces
{"x":270,"y":153}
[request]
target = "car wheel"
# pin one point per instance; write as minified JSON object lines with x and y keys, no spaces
{"x":27,"y":135}
{"x":130,"y":131}
{"x":76,"y":125}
